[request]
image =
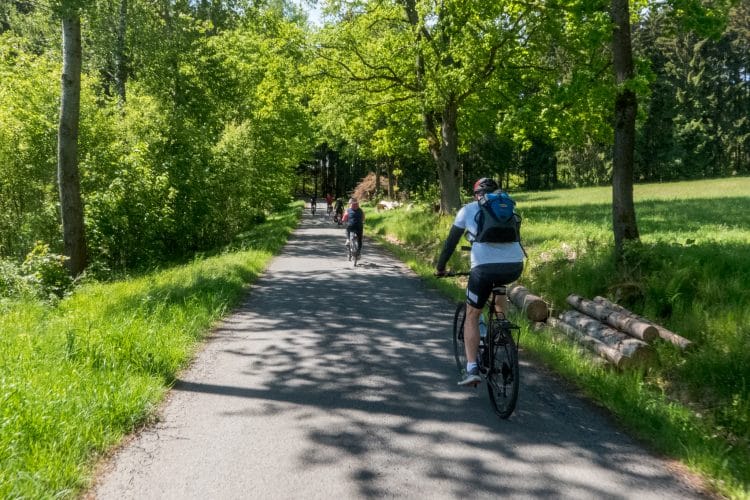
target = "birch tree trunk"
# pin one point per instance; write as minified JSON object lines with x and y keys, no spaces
{"x":71,"y":206}
{"x":665,"y":334}
{"x":632,"y":326}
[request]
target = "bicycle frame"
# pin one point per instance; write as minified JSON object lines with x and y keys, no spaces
{"x":497,"y":354}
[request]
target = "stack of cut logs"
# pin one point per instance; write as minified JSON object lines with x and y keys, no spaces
{"x":611,"y":331}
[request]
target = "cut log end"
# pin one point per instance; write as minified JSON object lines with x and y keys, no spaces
{"x":533,"y":306}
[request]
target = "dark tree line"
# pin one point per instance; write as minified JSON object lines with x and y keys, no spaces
{"x":697,"y":121}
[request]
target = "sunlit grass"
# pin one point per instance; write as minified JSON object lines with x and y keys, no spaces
{"x":690,"y":274}
{"x":77,"y":376}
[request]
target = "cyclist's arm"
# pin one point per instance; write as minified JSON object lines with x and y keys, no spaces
{"x":454,"y":236}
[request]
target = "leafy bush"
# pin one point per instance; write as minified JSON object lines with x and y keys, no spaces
{"x":11,"y":279}
{"x":46,"y":272}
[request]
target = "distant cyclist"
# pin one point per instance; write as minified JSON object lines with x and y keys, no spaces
{"x":329,"y":203}
{"x":354,"y":218}
{"x":313,"y":204}
{"x":338,"y":211}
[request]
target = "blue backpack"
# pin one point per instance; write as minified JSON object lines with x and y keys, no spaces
{"x":497,"y":220}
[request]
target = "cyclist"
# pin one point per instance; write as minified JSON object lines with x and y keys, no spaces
{"x":355,"y":221}
{"x":329,"y":203}
{"x":492,"y":264}
{"x":338,"y":211}
{"x":313,"y":203}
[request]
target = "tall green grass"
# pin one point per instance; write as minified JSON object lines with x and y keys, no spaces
{"x":76,"y":376}
{"x":690,"y":273}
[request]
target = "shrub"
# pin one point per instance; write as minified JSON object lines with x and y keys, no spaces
{"x":11,"y":280}
{"x":45,"y":272}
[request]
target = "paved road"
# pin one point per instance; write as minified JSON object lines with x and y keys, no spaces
{"x":338,"y":383}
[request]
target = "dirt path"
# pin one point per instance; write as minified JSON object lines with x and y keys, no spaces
{"x":334,"y":382}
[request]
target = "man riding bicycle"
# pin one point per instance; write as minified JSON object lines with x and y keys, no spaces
{"x":355,"y":221}
{"x":492,"y":264}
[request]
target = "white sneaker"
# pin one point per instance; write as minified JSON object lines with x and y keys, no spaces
{"x":471,"y":378}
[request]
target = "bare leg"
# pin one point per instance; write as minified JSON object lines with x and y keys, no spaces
{"x":471,"y":332}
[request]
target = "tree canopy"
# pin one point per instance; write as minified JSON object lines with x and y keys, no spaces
{"x":197,"y":119}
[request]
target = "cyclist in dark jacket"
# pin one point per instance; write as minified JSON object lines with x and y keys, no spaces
{"x":338,"y":210}
{"x":354,"y":218}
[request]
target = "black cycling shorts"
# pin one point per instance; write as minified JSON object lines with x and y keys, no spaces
{"x":487,"y":276}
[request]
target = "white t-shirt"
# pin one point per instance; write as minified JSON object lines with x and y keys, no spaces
{"x":486,"y":253}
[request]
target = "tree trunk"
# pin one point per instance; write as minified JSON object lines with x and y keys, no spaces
{"x":534,"y":307}
{"x":628,"y":324}
{"x":444,"y":150}
{"x":121,"y":72}
{"x":391,"y":183}
{"x":71,"y":206}
{"x":665,"y":334}
{"x":378,"y":188}
{"x":626,"y":105}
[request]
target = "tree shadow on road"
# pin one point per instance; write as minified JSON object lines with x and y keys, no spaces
{"x":362,"y":357}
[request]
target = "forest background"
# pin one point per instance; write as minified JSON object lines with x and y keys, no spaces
{"x":199,"y":118}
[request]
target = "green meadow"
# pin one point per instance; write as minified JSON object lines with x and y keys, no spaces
{"x":690,"y":273}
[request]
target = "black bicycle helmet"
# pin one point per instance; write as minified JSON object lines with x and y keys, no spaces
{"x":485,"y":185}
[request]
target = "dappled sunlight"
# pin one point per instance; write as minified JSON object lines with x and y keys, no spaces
{"x":361,"y":360}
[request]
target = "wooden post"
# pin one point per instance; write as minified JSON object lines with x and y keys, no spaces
{"x":534,"y":307}
{"x":628,"y":324}
{"x":665,"y":334}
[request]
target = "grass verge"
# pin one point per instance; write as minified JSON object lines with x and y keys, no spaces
{"x":79,"y":375}
{"x":689,"y":273}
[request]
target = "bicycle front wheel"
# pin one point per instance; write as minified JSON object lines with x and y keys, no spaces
{"x":459,"y":350}
{"x":503,"y":377}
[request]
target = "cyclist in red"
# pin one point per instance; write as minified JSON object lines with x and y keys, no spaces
{"x":329,"y":203}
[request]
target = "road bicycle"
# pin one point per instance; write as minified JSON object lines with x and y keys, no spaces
{"x":498,"y":352}
{"x":352,"y":247}
{"x":329,"y":210}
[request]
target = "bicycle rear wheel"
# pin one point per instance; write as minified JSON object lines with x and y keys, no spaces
{"x":459,"y":351}
{"x":355,"y":249}
{"x":503,"y":377}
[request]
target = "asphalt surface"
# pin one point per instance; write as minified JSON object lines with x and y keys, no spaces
{"x":338,"y":382}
